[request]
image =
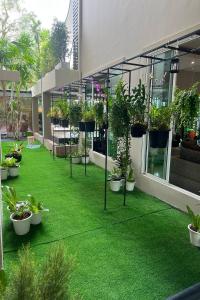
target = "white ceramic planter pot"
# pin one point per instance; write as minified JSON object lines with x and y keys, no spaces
{"x":194,"y":236}
{"x":76,"y":160}
{"x":115,"y":185}
{"x":130,"y":186}
{"x":83,"y":159}
{"x":21,"y":227}
{"x":13,"y":171}
{"x":4,"y":174}
{"x":122,"y":182}
{"x":36,"y":218}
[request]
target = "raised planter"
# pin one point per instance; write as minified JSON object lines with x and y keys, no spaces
{"x":137,"y":130}
{"x":4,"y":173}
{"x":13,"y":171}
{"x":55,"y":121}
{"x":158,"y":138}
{"x":87,"y":126}
{"x":36,"y":218}
{"x":115,"y":185}
{"x":21,"y":227}
{"x":85,"y":160}
{"x":130,"y":186}
{"x":64,"y":123}
{"x":194,"y":236}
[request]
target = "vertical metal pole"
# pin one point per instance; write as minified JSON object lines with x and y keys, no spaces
{"x":70,"y":134}
{"x":106,"y":143}
{"x":1,"y":219}
{"x":85,"y":150}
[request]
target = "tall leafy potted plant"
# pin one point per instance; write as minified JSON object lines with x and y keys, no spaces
{"x":63,"y":108}
{"x":160,"y":126}
{"x":75,"y":113}
{"x":13,"y":166}
{"x":115,"y":179}
{"x":36,"y":208}
{"x":54,"y":115}
{"x":4,"y":170}
{"x":15,"y":151}
{"x":88,"y":120}
{"x":138,"y":107}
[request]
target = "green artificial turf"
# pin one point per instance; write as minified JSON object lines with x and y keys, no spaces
{"x":140,"y":251}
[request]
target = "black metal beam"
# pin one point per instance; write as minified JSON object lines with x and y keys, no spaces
{"x":119,"y":69}
{"x":134,"y":64}
{"x":153,"y":57}
{"x":184,"y":49}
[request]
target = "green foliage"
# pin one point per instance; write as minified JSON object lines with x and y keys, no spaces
{"x":50,"y":281}
{"x":88,"y":114}
{"x":120,"y":108}
{"x":59,"y":40}
{"x":53,"y":112}
{"x":195,"y":219}
{"x":99,"y":112}
{"x":138,"y":103}
{"x":11,"y":162}
{"x":186,"y":106}
{"x":34,"y":206}
{"x":115,"y":174}
{"x":10,"y":197}
{"x":160,"y":117}
{"x":75,"y":113}
{"x":63,"y":108}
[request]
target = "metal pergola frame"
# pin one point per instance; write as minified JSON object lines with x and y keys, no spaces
{"x":132,"y":64}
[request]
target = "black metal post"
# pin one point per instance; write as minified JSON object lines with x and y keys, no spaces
{"x":70,"y":135}
{"x":106,"y":142}
{"x":85,"y":151}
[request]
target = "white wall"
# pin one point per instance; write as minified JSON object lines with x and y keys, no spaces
{"x":112,"y":29}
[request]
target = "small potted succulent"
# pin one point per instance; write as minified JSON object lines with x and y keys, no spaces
{"x":76,"y":157}
{"x":194,"y":228}
{"x":36,"y":208}
{"x":54,"y":115}
{"x":160,"y":126}
{"x":4,"y":170}
{"x":15,"y":151}
{"x":115,"y":179}
{"x":20,"y":211}
{"x":130,"y":181}
{"x":63,"y":108}
{"x":13,"y":166}
{"x":88,"y":120}
{"x":85,"y":158}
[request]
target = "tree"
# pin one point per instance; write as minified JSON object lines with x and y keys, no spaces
{"x":59,"y":40}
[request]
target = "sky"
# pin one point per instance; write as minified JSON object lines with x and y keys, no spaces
{"x":47,"y":10}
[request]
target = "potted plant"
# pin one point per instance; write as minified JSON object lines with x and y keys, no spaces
{"x":15,"y":151}
{"x":115,"y":179}
{"x":13,"y":166}
{"x":76,"y":157}
{"x":85,"y":158}
{"x":4,"y":170}
{"x":63,"y":108}
{"x":75,"y":113}
{"x":88,"y":120}
{"x":54,"y":115}
{"x":194,"y":228}
{"x":138,"y":107}
{"x":160,"y":126}
{"x":36,"y":208}
{"x":100,"y":115}
{"x":20,"y":214}
{"x":130,"y":182}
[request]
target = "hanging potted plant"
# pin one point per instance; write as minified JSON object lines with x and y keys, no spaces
{"x":63,"y":108}
{"x":36,"y":209}
{"x":100,"y":115}
{"x":76,"y":157}
{"x":20,"y":214}
{"x":130,"y":181}
{"x":137,"y":111}
{"x":115,"y":179}
{"x":13,"y":166}
{"x":15,"y":151}
{"x":54,"y":115}
{"x":194,"y":228}
{"x":4,"y":170}
{"x":160,"y":126}
{"x":75,"y":113}
{"x":88,"y":120}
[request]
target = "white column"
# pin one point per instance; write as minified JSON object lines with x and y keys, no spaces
{"x":46,"y":121}
{"x":35,"y":117}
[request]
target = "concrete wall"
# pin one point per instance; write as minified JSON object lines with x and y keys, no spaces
{"x":112,"y":29}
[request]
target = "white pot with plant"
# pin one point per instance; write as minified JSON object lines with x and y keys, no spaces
{"x":36,"y":208}
{"x":85,"y":158}
{"x":4,"y":170}
{"x":130,"y":182}
{"x":76,"y":158}
{"x":194,"y":228}
{"x":115,"y":179}
{"x":20,"y":214}
{"x":13,"y":166}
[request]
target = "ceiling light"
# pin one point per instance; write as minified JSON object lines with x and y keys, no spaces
{"x":192,"y":62}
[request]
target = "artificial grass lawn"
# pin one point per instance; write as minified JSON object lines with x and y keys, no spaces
{"x":140,"y":251}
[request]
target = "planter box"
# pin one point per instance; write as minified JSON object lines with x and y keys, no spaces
{"x":87,"y":126}
{"x":137,"y":130}
{"x":64,"y":123}
{"x":158,"y":138}
{"x":76,"y":160}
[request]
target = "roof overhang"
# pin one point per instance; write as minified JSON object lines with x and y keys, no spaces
{"x":13,"y":76}
{"x":54,"y":80}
